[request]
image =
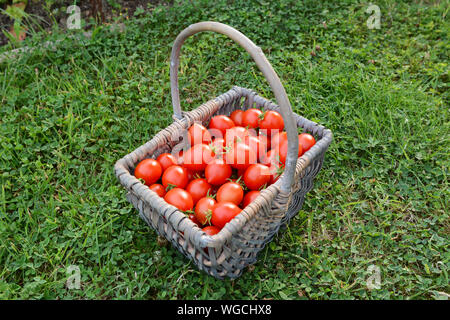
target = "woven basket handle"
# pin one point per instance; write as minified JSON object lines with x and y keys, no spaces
{"x":263,"y":65}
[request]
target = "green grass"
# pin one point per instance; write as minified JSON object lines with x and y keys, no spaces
{"x":381,"y":198}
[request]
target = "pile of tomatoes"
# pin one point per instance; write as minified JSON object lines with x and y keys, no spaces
{"x":225,"y":168}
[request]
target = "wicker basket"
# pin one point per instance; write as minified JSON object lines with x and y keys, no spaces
{"x":227,"y":253}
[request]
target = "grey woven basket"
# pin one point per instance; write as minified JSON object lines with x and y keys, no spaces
{"x":236,"y":246}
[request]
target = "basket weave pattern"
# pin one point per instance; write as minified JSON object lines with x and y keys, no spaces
{"x":238,"y":243}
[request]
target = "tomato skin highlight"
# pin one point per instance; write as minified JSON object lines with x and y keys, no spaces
{"x":223,"y":213}
{"x":230,"y":192}
{"x":166,"y":160}
{"x":306,"y":140}
{"x":211,"y":230}
{"x":198,"y":188}
{"x":251,"y":118}
{"x":236,"y":116}
{"x":203,"y":210}
{"x":272,"y":122}
{"x":149,"y":170}
{"x":221,"y":123}
{"x":198,"y":157}
{"x":175,"y":176}
{"x":180,"y":199}
{"x":159,"y":189}
{"x":217,"y":172}
{"x":198,"y":134}
{"x":256,"y":176}
{"x":250,"y":197}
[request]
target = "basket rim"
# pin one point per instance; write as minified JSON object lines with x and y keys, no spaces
{"x":196,"y":234}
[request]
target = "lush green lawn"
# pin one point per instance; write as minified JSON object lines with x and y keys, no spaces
{"x":380,"y":200}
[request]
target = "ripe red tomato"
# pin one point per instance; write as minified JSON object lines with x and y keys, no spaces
{"x":211,"y":230}
{"x":197,"y":157}
{"x":159,"y":189}
{"x":284,"y":149}
{"x":251,"y":118}
{"x":166,"y":160}
{"x":203,"y":210}
{"x":230,"y":192}
{"x":235,"y":134}
{"x":249,"y":197}
{"x":193,"y":219}
{"x":180,"y":199}
{"x":217,"y":172}
{"x":223,"y":212}
{"x":256,"y":176}
{"x":306,"y":140}
{"x":219,"y":124}
{"x":198,"y":188}
{"x":236,"y":116}
{"x":240,"y":156}
{"x":272,"y":122}
{"x":175,"y":176}
{"x":198,"y":134}
{"x":148,"y":169}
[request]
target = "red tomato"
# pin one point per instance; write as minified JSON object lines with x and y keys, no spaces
{"x":251,"y":118}
{"x":272,"y":122}
{"x":220,"y":124}
{"x":236,"y":116}
{"x":180,"y":199}
{"x":217,"y":172}
{"x":284,"y":148}
{"x":211,"y":230}
{"x":175,"y":176}
{"x":306,"y":140}
{"x":223,"y":212}
{"x":159,"y":189}
{"x":197,"y":157}
{"x":198,"y":188}
{"x":193,"y":219}
{"x":256,"y":176}
{"x":240,"y":156}
{"x":198,"y":134}
{"x":235,"y":134}
{"x":166,"y":160}
{"x":203,"y":210}
{"x":249,"y":197}
{"x":230,"y":192}
{"x":148,"y":169}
